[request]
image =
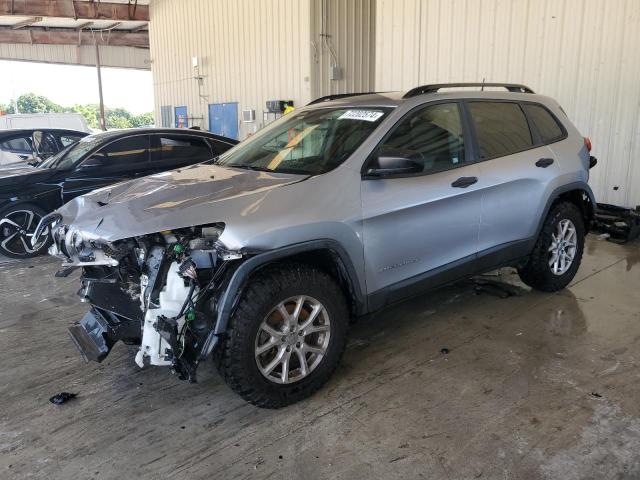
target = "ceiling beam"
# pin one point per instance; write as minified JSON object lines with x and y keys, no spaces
{"x":75,"y":9}
{"x":71,"y":36}
{"x":26,"y":23}
{"x":84,"y":25}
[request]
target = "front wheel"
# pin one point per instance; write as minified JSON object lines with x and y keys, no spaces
{"x":286,"y":336}
{"x":17,"y":224}
{"x":556,"y":256}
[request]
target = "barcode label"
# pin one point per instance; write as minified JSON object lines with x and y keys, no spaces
{"x":366,"y":115}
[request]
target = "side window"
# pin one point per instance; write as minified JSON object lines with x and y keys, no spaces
{"x":180,"y":149}
{"x":68,"y":139}
{"x":432,"y":136}
{"x":501,"y":128}
{"x":20,"y":144}
{"x":545,"y":124}
{"x":126,"y":152}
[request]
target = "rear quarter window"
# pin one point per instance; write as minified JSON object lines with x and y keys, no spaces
{"x":547,"y":126}
{"x":501,"y":128}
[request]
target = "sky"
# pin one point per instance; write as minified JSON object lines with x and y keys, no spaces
{"x":68,"y":85}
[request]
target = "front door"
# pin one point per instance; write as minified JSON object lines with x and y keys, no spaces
{"x":120,"y":160}
{"x":423,"y":227}
{"x":223,"y":119}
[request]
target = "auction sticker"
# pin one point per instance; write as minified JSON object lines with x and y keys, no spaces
{"x":366,"y":115}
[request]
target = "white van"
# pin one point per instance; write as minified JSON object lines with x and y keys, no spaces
{"x":71,"y":121}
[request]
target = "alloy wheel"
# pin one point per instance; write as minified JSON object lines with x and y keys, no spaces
{"x":563,"y":246}
{"x":16,"y":231}
{"x":292,"y":339}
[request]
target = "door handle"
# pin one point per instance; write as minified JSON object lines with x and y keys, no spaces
{"x":464,"y":182}
{"x":544,"y":162}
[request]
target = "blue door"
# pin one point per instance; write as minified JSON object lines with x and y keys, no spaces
{"x":181,"y":117}
{"x":223,"y":119}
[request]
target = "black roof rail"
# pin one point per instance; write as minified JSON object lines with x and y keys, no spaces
{"x":421,"y":90}
{"x":328,"y":98}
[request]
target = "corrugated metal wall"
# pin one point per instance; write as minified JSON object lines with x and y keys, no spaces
{"x":350,"y":25}
{"x":584,"y":53}
{"x":122,"y":57}
{"x":249,"y":52}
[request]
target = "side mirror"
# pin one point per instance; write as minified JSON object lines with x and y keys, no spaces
{"x":385,"y":165}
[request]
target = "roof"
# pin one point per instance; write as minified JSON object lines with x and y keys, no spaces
{"x":18,"y":131}
{"x":431,"y":92}
{"x":174,"y":131}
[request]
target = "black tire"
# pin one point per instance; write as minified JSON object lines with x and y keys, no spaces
{"x":12,"y":248}
{"x":537,"y":273}
{"x":236,"y":359}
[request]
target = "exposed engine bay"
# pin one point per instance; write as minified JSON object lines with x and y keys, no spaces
{"x":158,"y":292}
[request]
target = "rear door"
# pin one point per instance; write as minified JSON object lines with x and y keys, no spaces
{"x":515,"y":171}
{"x":122,"y":159}
{"x":425,"y":225}
{"x":173,"y":151}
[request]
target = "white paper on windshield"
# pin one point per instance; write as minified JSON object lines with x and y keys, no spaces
{"x":366,"y":115}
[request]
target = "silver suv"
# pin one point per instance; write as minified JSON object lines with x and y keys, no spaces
{"x":260,"y":258}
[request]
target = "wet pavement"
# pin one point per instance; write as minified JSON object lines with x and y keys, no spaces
{"x":533,"y":386}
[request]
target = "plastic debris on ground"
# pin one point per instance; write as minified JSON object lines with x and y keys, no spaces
{"x":62,"y":397}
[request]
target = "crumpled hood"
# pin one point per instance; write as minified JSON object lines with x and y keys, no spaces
{"x":165,"y":201}
{"x":21,"y":174}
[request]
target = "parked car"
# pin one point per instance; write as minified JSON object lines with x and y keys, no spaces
{"x":332,"y":212}
{"x":30,"y":145}
{"x":64,"y":121}
{"x":29,"y":192}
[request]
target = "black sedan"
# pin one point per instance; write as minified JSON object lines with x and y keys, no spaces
{"x":29,"y":144}
{"x":29,"y":192}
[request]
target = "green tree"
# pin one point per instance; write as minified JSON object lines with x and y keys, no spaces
{"x":115,"y":117}
{"x":32,"y":103}
{"x":118,"y":118}
{"x":143,"y":120}
{"x":6,"y":109}
{"x":89,"y":112}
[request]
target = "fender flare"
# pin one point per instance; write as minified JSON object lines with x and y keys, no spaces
{"x":584,"y":186}
{"x":240,"y":277}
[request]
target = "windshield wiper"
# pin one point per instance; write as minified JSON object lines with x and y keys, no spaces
{"x":249,"y":167}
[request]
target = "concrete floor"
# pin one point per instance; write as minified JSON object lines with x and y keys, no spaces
{"x":535,"y":386}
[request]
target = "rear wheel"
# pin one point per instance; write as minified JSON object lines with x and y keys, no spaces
{"x":17,"y":224}
{"x":286,"y":336}
{"x":558,"y":251}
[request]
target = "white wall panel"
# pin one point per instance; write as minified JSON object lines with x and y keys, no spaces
{"x":584,"y":53}
{"x":351,"y":26}
{"x":250,"y":52}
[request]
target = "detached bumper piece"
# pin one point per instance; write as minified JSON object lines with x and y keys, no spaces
{"x":621,"y":224}
{"x":98,"y":331}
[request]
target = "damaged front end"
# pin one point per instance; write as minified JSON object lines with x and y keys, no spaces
{"x":158,"y":291}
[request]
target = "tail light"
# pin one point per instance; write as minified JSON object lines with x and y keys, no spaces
{"x":587,"y":143}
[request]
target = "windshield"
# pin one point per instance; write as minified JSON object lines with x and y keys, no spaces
{"x":309,"y":143}
{"x":68,"y":157}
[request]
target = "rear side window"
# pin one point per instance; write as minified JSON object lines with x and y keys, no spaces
{"x":545,"y":124}
{"x":176,"y":148}
{"x":68,"y":139}
{"x":501,"y":128}
{"x":17,"y":144}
